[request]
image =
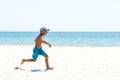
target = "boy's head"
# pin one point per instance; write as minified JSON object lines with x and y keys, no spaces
{"x":44,"y":30}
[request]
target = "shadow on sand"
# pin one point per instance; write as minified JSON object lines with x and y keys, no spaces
{"x":33,"y":70}
{"x":37,"y":70}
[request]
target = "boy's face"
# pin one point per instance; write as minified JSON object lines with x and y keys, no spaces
{"x":44,"y":32}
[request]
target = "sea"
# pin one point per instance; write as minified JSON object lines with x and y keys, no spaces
{"x":62,"y":38}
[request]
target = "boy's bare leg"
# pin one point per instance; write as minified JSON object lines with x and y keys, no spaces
{"x":27,"y":60}
{"x":47,"y":63}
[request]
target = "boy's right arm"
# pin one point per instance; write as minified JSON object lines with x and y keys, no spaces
{"x":47,"y":43}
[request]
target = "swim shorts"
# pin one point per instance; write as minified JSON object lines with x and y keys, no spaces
{"x":37,"y":52}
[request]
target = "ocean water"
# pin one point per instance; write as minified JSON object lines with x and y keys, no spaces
{"x":63,"y":38}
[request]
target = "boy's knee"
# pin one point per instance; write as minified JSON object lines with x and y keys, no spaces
{"x":33,"y":60}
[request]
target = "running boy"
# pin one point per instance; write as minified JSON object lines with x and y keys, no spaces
{"x":38,"y":49}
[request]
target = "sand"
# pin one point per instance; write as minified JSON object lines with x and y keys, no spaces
{"x":70,"y":63}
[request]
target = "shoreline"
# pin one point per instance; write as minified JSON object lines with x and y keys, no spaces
{"x":52,"y":46}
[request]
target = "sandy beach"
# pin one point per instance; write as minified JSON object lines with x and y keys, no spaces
{"x":70,"y":63}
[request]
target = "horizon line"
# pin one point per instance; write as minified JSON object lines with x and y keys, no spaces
{"x":61,"y":31}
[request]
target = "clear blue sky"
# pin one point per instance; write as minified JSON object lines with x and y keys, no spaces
{"x":60,"y":15}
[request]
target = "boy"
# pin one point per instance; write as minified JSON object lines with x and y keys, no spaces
{"x":38,"y":49}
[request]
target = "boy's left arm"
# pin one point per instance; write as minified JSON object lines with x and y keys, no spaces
{"x":47,"y":43}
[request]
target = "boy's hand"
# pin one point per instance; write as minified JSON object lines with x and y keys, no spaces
{"x":50,"y":45}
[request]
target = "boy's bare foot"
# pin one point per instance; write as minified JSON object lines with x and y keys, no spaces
{"x":50,"y":68}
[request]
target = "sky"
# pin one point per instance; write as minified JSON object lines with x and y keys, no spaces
{"x":60,"y":15}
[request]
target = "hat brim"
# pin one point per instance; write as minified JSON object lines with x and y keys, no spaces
{"x":46,"y":30}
